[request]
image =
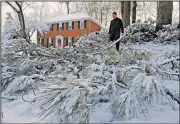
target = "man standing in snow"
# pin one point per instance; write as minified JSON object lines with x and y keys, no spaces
{"x":115,"y":26}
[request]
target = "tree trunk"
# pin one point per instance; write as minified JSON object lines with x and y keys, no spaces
{"x":101,"y":19}
{"x":164,"y":13}
{"x":134,"y":11}
{"x":122,"y":8}
{"x":106,"y":16}
{"x":144,"y":12}
{"x":126,"y":13}
{"x":19,"y":11}
{"x":68,"y":9}
{"x":22,"y":22}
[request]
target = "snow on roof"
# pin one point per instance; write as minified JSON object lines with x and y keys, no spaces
{"x":72,"y":17}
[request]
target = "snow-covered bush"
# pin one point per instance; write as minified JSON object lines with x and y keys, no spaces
{"x":168,"y":34}
{"x":140,"y":32}
{"x":145,"y":92}
{"x":11,"y":28}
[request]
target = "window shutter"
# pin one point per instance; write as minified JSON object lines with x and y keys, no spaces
{"x":53,"y":41}
{"x":72,"y":25}
{"x":72,"y":40}
{"x":47,"y":42}
{"x":39,"y":41}
{"x":84,"y":23}
{"x":66,"y":41}
{"x":42,"y":42}
{"x":67,"y":26}
{"x":57,"y":26}
{"x":78,"y":24}
{"x":62,"y":26}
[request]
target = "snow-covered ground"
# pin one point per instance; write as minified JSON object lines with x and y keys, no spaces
{"x":18,"y":111}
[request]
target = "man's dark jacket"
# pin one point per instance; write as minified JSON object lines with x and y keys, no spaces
{"x":116,"y":26}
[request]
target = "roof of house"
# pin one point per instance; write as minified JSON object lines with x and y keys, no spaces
{"x":72,"y":17}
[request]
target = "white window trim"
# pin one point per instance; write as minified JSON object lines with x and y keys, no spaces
{"x":50,"y":41}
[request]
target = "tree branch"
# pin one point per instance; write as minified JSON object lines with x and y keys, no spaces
{"x":27,"y":5}
{"x":12,"y":99}
{"x":174,"y":97}
{"x":14,"y":8}
{"x":168,"y":61}
{"x":19,"y":6}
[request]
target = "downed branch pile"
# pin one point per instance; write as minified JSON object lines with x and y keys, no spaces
{"x":71,"y":81}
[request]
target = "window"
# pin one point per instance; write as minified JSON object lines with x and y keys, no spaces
{"x":50,"y":42}
{"x":60,"y":26}
{"x":70,"y":43}
{"x":51,"y":27}
{"x":69,"y":25}
{"x":82,"y":24}
{"x":42,"y":42}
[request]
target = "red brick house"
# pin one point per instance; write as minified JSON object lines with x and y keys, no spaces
{"x":66,"y":29}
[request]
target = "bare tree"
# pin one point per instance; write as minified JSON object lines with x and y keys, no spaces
{"x":122,"y":8}
{"x":164,"y":13}
{"x":134,"y":11}
{"x":67,"y":5}
{"x":18,"y":8}
{"x":101,"y":12}
{"x":126,"y":13}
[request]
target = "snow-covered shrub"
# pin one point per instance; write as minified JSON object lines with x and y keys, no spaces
{"x":140,"y":32}
{"x":20,"y":84}
{"x":67,"y":94}
{"x":149,"y":88}
{"x":62,"y":102}
{"x":169,"y":33}
{"x":145,"y":92}
{"x":6,"y":78}
{"x":11,"y":28}
{"x":33,"y":24}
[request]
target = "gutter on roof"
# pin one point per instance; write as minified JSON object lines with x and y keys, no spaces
{"x":90,"y":18}
{"x":69,"y":20}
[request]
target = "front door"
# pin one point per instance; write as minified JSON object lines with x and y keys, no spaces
{"x":59,"y":41}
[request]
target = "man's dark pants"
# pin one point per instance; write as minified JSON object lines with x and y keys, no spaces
{"x":112,"y":38}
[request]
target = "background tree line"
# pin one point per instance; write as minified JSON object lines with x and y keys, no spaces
{"x":130,"y":11}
